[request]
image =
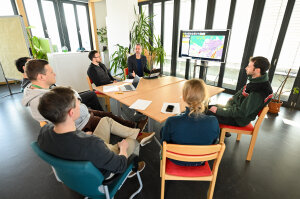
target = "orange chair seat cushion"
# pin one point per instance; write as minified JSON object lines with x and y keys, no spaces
{"x":249,"y":127}
{"x":187,"y":171}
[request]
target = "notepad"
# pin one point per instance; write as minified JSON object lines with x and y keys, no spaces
{"x":110,"y":89}
{"x":140,"y":104}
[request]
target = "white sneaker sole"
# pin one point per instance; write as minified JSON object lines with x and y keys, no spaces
{"x":147,"y":140}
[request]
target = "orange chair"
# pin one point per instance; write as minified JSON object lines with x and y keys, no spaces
{"x":190,"y":153}
{"x":43,"y":123}
{"x":126,"y":72}
{"x":248,"y":130}
{"x":99,"y":94}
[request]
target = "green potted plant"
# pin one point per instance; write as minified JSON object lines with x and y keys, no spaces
{"x":119,"y":60}
{"x":275,"y":103}
{"x":102,"y":33}
{"x":141,"y":33}
{"x":37,"y":51}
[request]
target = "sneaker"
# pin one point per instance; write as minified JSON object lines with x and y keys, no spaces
{"x":142,"y":124}
{"x":141,"y":166}
{"x":227,"y":134}
{"x":145,"y":138}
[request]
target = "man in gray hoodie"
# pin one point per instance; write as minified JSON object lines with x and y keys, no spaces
{"x":42,"y":76}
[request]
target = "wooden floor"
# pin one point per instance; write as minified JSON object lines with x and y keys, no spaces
{"x":273,"y":172}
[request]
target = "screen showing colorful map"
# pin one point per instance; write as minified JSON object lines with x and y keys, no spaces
{"x":206,"y":46}
{"x":210,"y":45}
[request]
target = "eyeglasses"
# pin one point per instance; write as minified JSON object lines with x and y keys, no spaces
{"x":96,"y":57}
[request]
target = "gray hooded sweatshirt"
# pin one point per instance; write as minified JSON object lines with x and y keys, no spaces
{"x":32,"y":96}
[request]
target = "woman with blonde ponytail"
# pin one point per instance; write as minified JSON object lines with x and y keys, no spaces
{"x":192,"y":127}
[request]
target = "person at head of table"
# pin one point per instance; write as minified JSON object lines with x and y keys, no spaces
{"x":192,"y":127}
{"x":97,"y":71}
{"x":137,"y":63}
{"x":20,"y":64}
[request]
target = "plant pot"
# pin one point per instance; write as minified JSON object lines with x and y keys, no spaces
{"x":274,"y":106}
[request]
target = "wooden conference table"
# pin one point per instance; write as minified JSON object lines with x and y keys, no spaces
{"x":163,"y":89}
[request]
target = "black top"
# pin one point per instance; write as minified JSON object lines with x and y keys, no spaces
{"x":99,"y":74}
{"x":77,"y":145}
{"x":133,"y":65}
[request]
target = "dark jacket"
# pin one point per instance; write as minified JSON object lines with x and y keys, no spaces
{"x":132,"y":64}
{"x":246,"y":103}
{"x":190,"y":130}
{"x":99,"y":74}
{"x":77,"y":145}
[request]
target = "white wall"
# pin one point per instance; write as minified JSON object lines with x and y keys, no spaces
{"x":120,"y":17}
{"x":100,"y":12}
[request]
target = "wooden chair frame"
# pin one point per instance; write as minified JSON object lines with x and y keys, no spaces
{"x":106,"y":98}
{"x":191,"y":153}
{"x":253,"y":133}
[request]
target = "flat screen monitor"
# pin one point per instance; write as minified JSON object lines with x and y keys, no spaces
{"x":209,"y":45}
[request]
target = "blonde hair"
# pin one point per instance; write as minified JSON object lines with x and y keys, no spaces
{"x":194,"y":93}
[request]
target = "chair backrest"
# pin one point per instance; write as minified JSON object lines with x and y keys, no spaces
{"x":80,"y":176}
{"x":126,"y":72}
{"x":43,"y":123}
{"x":90,"y":83}
{"x":194,"y":153}
{"x":261,"y":116}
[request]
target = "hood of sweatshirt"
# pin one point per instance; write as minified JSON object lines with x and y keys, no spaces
{"x":31,"y":95}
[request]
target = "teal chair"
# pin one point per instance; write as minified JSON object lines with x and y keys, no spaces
{"x":84,"y":178}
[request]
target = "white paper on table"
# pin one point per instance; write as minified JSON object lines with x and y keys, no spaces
{"x":110,"y":89}
{"x":140,"y":104}
{"x":128,"y":80}
{"x":176,"y":109}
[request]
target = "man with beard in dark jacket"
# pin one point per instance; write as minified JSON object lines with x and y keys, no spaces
{"x":245,"y":105}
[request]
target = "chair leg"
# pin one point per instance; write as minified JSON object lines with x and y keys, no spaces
{"x":238,"y":137}
{"x":222,"y":136}
{"x":141,"y":185}
{"x":106,"y":192}
{"x":107,"y":102}
{"x":57,"y":178}
{"x":211,"y":189}
{"x":162,"y":194}
{"x":251,"y":147}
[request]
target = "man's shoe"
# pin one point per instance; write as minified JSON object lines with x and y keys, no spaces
{"x":227,"y":134}
{"x":141,"y":166}
{"x":145,"y":138}
{"x":142,"y":124}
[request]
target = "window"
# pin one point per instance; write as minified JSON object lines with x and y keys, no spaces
{"x":145,"y":9}
{"x":168,"y":30}
{"x":51,"y":23}
{"x":71,"y":26}
{"x":83,"y":25}
{"x":219,"y":23}
{"x":269,"y":28}
{"x":157,"y":24}
{"x":34,"y":19}
{"x":289,"y":54}
{"x":72,"y":31}
{"x":237,"y":42}
{"x":200,"y":14}
{"x":184,"y":22}
{"x":6,"y":8}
